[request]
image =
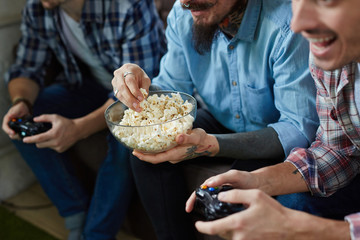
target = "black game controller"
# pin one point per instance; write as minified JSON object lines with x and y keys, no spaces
{"x":27,"y":127}
{"x":208,"y":207}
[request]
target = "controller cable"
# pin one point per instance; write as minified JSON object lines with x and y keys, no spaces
{"x":20,"y":207}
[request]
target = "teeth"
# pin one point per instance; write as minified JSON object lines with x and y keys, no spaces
{"x":317,"y":47}
{"x":320,"y":40}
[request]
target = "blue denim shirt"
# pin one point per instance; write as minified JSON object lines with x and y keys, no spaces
{"x":257,"y":79}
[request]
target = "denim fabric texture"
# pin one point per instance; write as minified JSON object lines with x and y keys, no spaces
{"x":105,"y":208}
{"x":163,"y":190}
{"x":340,"y":204}
{"x":251,"y":81}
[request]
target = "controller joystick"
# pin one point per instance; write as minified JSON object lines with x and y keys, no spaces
{"x":208,"y":207}
{"x":27,"y":127}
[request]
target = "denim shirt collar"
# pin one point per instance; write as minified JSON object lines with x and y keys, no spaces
{"x":251,"y":18}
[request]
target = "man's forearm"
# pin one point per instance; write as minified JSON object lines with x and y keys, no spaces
{"x":306,"y":226}
{"x":259,"y":144}
{"x":94,"y":121}
{"x":23,"y":88}
{"x":279,"y":179}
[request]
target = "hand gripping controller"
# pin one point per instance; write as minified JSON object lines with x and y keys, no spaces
{"x":27,"y":127}
{"x":208,"y":207}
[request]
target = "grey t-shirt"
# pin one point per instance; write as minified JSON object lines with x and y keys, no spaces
{"x":77,"y":44}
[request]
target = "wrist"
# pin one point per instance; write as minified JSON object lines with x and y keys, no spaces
{"x":25,"y":101}
{"x":213,"y":142}
{"x":81,"y":132}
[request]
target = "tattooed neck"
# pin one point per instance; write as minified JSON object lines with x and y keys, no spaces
{"x":231,"y":24}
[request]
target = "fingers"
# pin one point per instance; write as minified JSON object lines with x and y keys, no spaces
{"x":131,"y":93}
{"x":122,"y":92}
{"x":44,"y":118}
{"x":5,"y":125}
{"x":156,"y":158}
{"x":230,"y":177}
{"x":217,"y":227}
{"x":240,"y":196}
{"x":189,"y":146}
{"x":127,"y":82}
{"x":193,"y":138}
{"x":190,"y":203}
{"x":14,"y":112}
{"x":151,"y":158}
{"x":41,"y":139}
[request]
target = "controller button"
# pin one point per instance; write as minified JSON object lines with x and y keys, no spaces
{"x":211,"y":189}
{"x":203,"y":187}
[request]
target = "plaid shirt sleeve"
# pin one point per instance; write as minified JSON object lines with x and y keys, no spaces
{"x":144,"y":43}
{"x":323,"y":169}
{"x":117,"y":32}
{"x":33,"y":54}
{"x":332,"y":161}
{"x":354,"y":221}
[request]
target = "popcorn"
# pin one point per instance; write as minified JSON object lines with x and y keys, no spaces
{"x":161,"y":120}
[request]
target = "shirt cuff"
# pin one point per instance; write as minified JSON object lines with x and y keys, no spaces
{"x":354,"y":221}
{"x":289,"y":136}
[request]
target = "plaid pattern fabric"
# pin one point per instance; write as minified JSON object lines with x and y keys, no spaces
{"x":117,"y":32}
{"x":354,"y":220}
{"x":333,"y":159}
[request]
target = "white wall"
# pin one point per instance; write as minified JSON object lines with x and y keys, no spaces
{"x":14,"y":173}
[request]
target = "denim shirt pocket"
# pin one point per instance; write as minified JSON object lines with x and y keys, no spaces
{"x":259,"y":105}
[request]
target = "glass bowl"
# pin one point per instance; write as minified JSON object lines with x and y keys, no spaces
{"x":150,"y":138}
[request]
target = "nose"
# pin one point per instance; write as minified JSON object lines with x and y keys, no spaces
{"x":304,"y":15}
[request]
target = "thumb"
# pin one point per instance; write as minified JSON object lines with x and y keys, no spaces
{"x":193,"y":138}
{"x":44,"y":118}
{"x":245,"y":196}
{"x":187,"y":139}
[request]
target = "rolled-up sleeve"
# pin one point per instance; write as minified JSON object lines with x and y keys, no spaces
{"x":324,"y":170}
{"x":354,"y":221}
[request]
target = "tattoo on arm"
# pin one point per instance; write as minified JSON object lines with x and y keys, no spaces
{"x":296,"y":171}
{"x":191,"y":153}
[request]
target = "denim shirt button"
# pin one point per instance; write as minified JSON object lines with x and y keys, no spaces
{"x":237,"y":116}
{"x":234,"y":83}
{"x":231,"y":47}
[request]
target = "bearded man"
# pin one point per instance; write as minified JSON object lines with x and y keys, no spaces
{"x":250,"y":70}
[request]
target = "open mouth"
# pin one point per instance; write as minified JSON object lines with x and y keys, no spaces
{"x":321,"y":44}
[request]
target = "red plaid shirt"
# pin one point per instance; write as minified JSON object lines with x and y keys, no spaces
{"x":354,"y":220}
{"x":333,"y":159}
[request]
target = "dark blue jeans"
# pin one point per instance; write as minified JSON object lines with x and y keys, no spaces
{"x":163,"y":189}
{"x":337,"y":206}
{"x":105,"y":207}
